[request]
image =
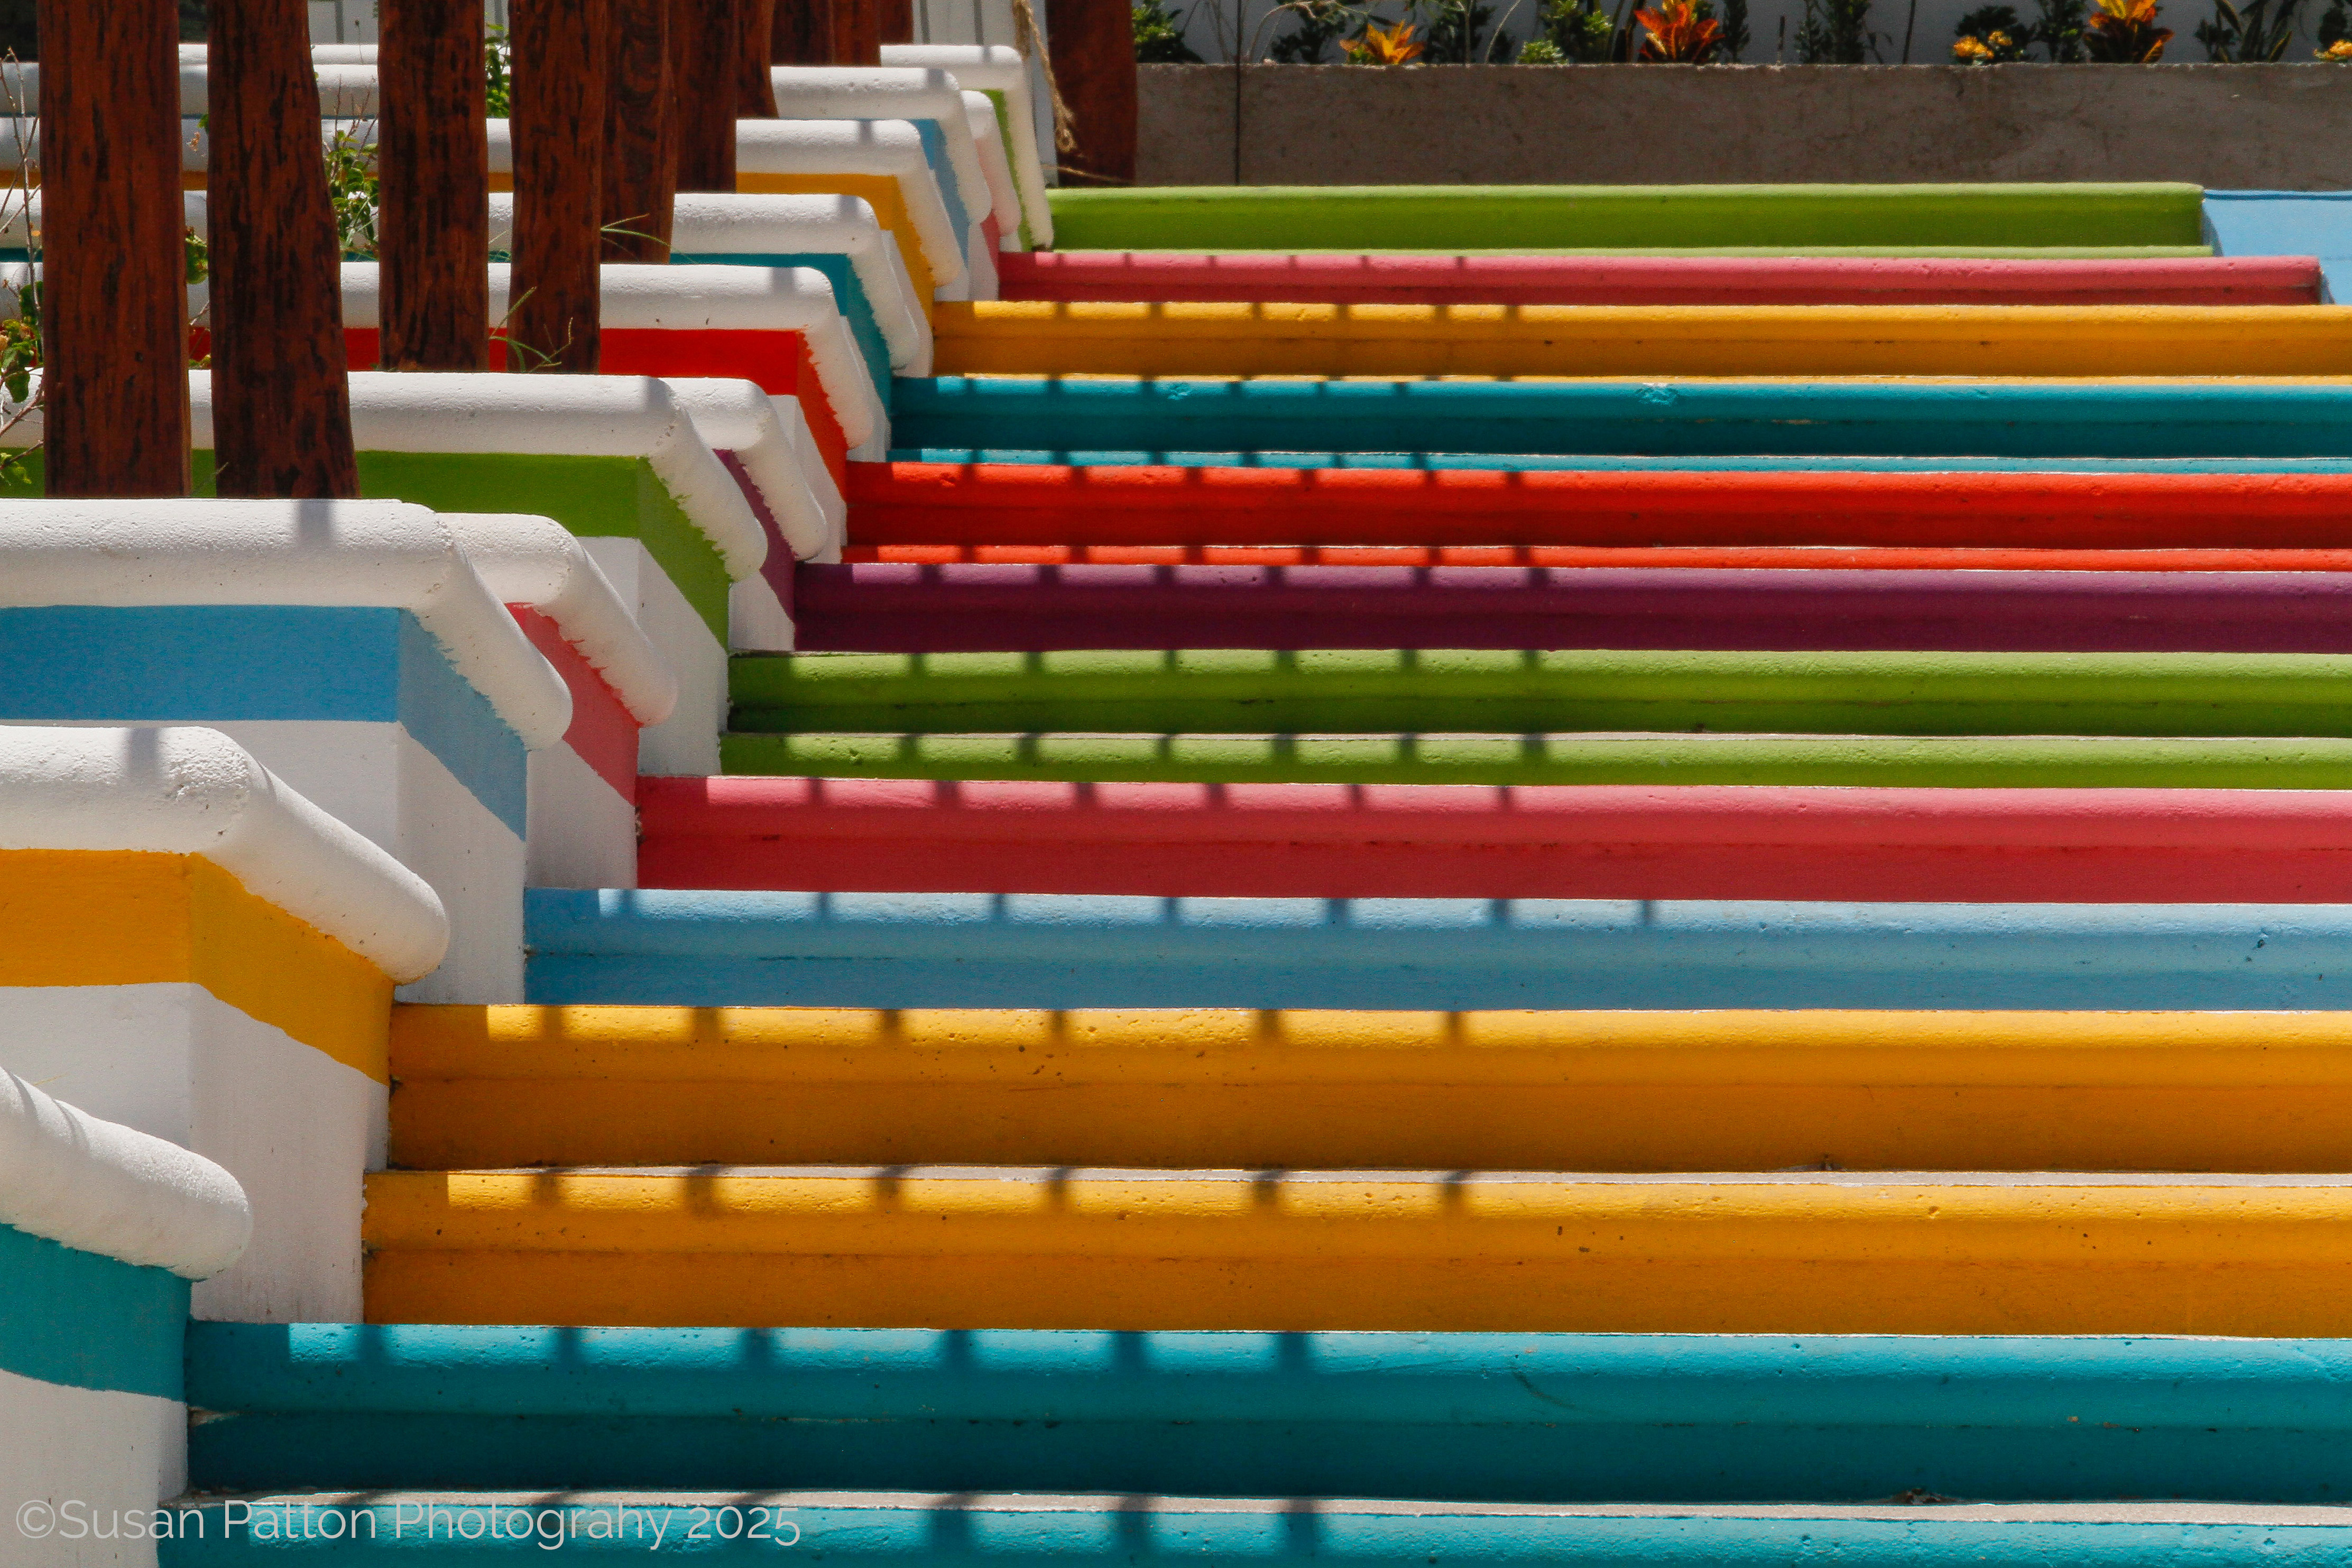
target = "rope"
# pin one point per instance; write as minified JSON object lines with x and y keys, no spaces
{"x":1026,"y":39}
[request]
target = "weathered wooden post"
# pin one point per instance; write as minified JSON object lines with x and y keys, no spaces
{"x":755,"y":89}
{"x":857,"y":32}
{"x":433,"y":226}
{"x":281,"y":389}
{"x":115,"y":294}
{"x":894,"y":21}
{"x":1093,"y":46}
{"x":641,"y":134}
{"x":561,"y":60}
{"x":705,"y":38}
{"x":802,"y":34}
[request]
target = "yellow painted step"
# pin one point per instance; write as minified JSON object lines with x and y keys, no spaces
{"x":1049,"y":1249}
{"x":1045,"y":338}
{"x":1519,"y":1090}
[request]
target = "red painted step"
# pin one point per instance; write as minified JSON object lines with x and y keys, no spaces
{"x":1109,"y":275}
{"x":1565,"y":841}
{"x":1044,"y":504}
{"x":883,"y":608}
{"x":1749,"y":557}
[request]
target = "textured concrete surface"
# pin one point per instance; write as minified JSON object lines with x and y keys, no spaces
{"x":2273,"y":127}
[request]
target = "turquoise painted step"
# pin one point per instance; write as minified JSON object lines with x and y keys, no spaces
{"x":1472,"y":1416}
{"x":709,"y":949}
{"x":1683,"y":419}
{"x":899,"y":1531}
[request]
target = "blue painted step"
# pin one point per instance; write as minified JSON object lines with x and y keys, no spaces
{"x":1472,"y":1417}
{"x":1690,"y":418}
{"x":1041,"y":950}
{"x":898,"y":1532}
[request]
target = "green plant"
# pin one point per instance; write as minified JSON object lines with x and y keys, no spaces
{"x":2125,"y":33}
{"x":1454,"y":28}
{"x":20,"y":346}
{"x":1990,"y":35}
{"x":2058,"y":29}
{"x":352,"y":190}
{"x":1160,"y":35}
{"x":1580,"y":30}
{"x":1318,"y":24}
{"x":2251,"y":33}
{"x":498,"y":73}
{"x":1835,"y":33}
{"x":1735,"y":31}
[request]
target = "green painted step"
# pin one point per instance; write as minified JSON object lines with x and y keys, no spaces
{"x":1968,"y":762}
{"x":1383,"y":218}
{"x":1255,"y":692}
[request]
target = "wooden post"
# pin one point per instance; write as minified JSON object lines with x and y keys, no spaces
{"x":433,"y":227}
{"x":562,"y":55}
{"x":857,"y":32}
{"x":705,"y":36}
{"x":1093,"y":46}
{"x":755,"y":90}
{"x":281,"y":386}
{"x":115,"y":302}
{"x":894,"y":22}
{"x":640,"y":134}
{"x":802,"y":33}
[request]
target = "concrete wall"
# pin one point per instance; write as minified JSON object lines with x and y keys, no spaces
{"x":2269,"y":127}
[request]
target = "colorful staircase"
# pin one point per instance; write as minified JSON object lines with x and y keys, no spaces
{"x":1406,"y":903}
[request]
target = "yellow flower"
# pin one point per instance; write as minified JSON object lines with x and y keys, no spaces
{"x":2339,"y":52}
{"x":1972,"y":49}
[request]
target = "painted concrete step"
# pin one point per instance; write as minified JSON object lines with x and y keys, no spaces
{"x":1096,"y":1531}
{"x":999,"y":505}
{"x":1657,"y":418}
{"x":1524,"y":218}
{"x":1139,"y":1248}
{"x":1400,"y":280}
{"x":1360,"y":460}
{"x":515,"y":1086}
{"x":908,"y":608}
{"x":1253,"y":692}
{"x":1531,"y":841}
{"x":1682,"y":1419}
{"x":1946,"y":761}
{"x":702,"y":948}
{"x":1735,"y":557}
{"x":1183,"y":339}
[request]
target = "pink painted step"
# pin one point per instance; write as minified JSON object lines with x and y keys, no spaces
{"x":1557,"y":841}
{"x":1110,"y":275}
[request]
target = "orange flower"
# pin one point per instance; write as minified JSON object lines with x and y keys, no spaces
{"x":1677,"y":34}
{"x":1392,"y":46}
{"x":2125,"y":31}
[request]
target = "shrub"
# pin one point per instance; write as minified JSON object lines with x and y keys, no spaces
{"x":1160,"y":35}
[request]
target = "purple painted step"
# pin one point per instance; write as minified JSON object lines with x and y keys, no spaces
{"x":897,"y":608}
